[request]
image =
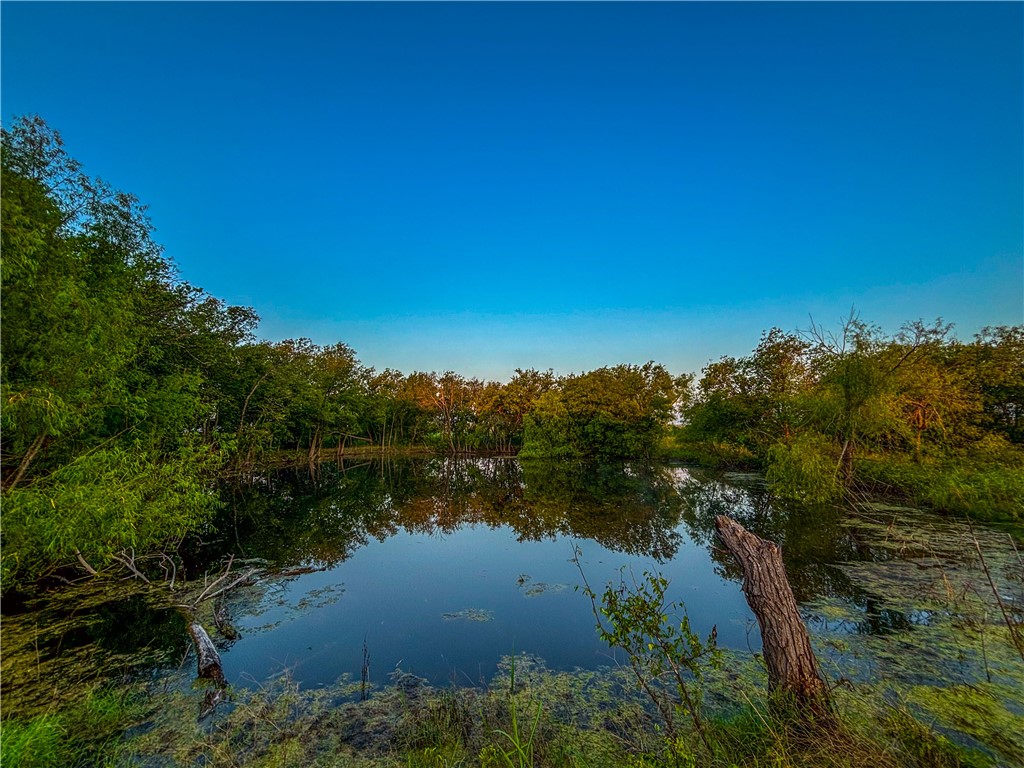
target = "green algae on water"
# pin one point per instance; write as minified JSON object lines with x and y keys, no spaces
{"x":469,"y":614}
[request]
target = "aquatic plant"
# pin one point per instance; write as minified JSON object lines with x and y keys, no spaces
{"x":660,"y":646}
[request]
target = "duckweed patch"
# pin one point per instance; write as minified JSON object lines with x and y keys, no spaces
{"x":540,"y":588}
{"x":927,"y":619}
{"x":55,"y":652}
{"x":469,"y":614}
{"x":982,"y":711}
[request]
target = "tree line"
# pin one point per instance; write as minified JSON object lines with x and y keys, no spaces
{"x":126,"y":391}
{"x":831,"y":414}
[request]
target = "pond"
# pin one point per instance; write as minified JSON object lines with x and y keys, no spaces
{"x":440,"y":567}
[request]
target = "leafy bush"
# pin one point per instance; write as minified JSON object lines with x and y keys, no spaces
{"x":804,"y":469}
{"x":105,"y":502}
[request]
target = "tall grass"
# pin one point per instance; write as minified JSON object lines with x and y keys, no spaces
{"x":982,"y":490}
{"x":520,"y":755}
{"x":86,"y":733}
{"x":575,"y":720}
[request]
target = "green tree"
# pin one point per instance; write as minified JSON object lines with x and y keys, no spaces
{"x":621,"y":411}
{"x":100,"y":451}
{"x":519,"y":396}
{"x":752,"y":401}
{"x":996,"y":374}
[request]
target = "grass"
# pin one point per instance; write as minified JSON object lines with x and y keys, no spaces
{"x":520,"y":753}
{"x":528,"y":716}
{"x":985,"y":485}
{"x":992,"y":492}
{"x":84,"y":733}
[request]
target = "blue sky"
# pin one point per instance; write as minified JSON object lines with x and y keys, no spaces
{"x":481,"y":187}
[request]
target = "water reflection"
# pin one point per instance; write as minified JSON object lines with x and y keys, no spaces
{"x":815,"y":540}
{"x":443,"y":565}
{"x":447,"y":564}
{"x":322,"y":519}
{"x":643,"y":510}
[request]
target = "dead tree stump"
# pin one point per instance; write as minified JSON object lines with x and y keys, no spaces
{"x":792,"y":667}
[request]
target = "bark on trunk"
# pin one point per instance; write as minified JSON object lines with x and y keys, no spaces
{"x":26,"y":460}
{"x":792,"y":666}
{"x":314,"y":447}
{"x":846,"y":462}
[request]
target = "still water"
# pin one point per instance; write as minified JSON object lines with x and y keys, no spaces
{"x":451,"y":565}
{"x":440,"y":567}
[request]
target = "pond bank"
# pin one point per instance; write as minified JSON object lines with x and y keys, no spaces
{"x":528,"y":715}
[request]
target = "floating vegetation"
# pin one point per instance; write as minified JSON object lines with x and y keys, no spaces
{"x":269,"y":599}
{"x":932,"y":612}
{"x":469,"y":614}
{"x":538,"y":587}
{"x":979,"y":711}
{"x":320,"y":598}
{"x":284,"y":724}
{"x":882,"y":506}
{"x":585,"y":718}
{"x":69,"y":639}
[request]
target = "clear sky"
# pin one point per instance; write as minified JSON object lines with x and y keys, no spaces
{"x":481,"y":187}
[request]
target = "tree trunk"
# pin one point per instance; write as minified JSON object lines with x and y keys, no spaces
{"x":209,"y":669}
{"x":314,"y":447}
{"x":26,"y":460}
{"x":792,"y":666}
{"x":846,"y":462}
{"x":245,"y":406}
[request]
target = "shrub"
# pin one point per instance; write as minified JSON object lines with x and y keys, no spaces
{"x":804,"y":470}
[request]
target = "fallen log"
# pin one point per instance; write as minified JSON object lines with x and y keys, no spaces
{"x":792,"y":667}
{"x":209,"y":666}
